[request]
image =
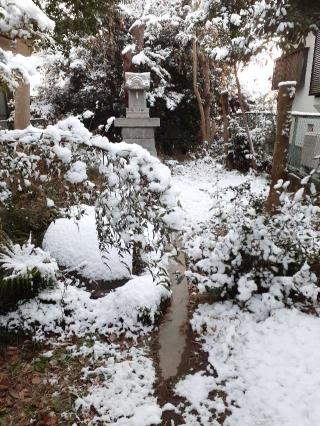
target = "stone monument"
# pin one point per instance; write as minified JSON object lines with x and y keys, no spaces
{"x":138,"y":127}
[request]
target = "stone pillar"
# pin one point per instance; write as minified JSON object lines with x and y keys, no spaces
{"x":22,"y":106}
{"x":22,"y":93}
{"x":138,"y":127}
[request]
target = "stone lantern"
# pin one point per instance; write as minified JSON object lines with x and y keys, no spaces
{"x":138,"y":127}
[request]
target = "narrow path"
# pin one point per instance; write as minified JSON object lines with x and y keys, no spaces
{"x":177,"y":351}
{"x":194,"y":182}
{"x":173,"y":329}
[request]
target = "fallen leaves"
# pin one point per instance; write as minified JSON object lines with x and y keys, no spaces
{"x":36,"y":380}
{"x":35,"y":387}
{"x":50,"y":419}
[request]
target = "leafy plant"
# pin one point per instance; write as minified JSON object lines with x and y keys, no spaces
{"x":24,"y":271}
{"x":138,"y":211}
{"x":248,"y":256}
{"x":47,"y":171}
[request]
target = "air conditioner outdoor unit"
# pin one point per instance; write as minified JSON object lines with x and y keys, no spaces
{"x":316,"y":103}
{"x":310,"y":150}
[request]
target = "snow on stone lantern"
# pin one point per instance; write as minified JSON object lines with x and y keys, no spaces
{"x":138,"y":127}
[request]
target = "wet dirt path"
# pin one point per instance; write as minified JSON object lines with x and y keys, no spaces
{"x":175,"y":349}
{"x":173,"y":328}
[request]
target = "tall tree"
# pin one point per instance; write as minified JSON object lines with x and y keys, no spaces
{"x":199,"y":36}
{"x":280,"y":155}
{"x":288,"y":22}
{"x":237,"y":23}
{"x":77,"y":19}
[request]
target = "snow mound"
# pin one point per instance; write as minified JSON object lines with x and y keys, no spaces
{"x":68,"y":310}
{"x":74,"y":244}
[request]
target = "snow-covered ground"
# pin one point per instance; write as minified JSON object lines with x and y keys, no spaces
{"x":124,"y":394}
{"x":198,"y":181}
{"x":264,"y":372}
{"x":269,"y":370}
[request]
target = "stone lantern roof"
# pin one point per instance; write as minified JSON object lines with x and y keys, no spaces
{"x":137,"y":81}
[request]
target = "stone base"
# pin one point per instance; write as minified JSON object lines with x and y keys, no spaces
{"x":137,"y":133}
{"x":140,"y":113}
{"x":137,"y":122}
{"x":148,"y":144}
{"x":143,"y":136}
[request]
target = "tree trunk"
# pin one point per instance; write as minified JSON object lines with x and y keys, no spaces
{"x":280,"y":152}
{"x":245,"y":119}
{"x":196,"y":90}
{"x":207,"y":96}
{"x":226,"y":130}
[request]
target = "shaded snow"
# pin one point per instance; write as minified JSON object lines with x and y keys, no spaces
{"x":74,"y":244}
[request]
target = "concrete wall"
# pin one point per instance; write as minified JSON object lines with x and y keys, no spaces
{"x":303,"y":102}
{"x":22,"y":93}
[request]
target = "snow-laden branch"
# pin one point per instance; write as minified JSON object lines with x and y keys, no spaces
{"x":16,"y":69}
{"x":23,"y":19}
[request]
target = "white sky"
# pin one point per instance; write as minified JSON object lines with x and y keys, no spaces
{"x":256,"y":77}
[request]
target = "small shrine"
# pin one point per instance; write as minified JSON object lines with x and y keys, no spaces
{"x":138,"y":127}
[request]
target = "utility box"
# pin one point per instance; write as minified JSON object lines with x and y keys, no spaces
{"x":310,"y":150}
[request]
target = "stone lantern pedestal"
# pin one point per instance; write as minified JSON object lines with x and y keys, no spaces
{"x":138,"y":127}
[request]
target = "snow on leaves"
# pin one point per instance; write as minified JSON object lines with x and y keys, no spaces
{"x":26,"y":260}
{"x":247,"y":253}
{"x":136,"y":192}
{"x":23,"y":19}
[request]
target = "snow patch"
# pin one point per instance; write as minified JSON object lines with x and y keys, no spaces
{"x":124,"y":394}
{"x":269,"y":370}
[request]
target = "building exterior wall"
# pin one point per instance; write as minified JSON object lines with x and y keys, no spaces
{"x":305,"y":117}
{"x":302,"y":126}
{"x":303,"y":102}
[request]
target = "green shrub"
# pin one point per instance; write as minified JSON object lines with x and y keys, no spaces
{"x":24,"y":271}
